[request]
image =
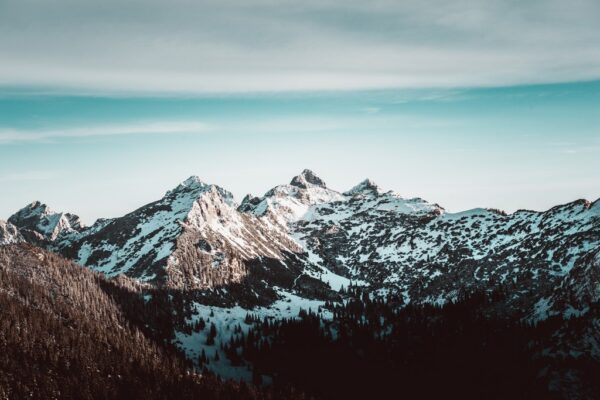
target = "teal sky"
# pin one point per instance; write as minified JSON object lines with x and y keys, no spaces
{"x":105,"y":105}
{"x":527,"y":146}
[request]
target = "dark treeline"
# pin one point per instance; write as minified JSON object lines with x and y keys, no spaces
{"x":374,"y":349}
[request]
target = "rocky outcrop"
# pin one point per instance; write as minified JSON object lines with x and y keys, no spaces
{"x":9,"y":234}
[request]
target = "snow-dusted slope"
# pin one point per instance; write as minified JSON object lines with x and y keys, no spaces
{"x":289,"y":203}
{"x":422,"y":253}
{"x":193,"y":237}
{"x":417,"y":250}
{"x":9,"y":234}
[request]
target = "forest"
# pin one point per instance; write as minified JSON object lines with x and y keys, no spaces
{"x":69,"y":333}
{"x":373,"y":349}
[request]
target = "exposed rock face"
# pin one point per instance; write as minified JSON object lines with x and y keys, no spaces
{"x":44,"y":223}
{"x":194,"y":237}
{"x":9,"y":234}
{"x":307,"y":179}
{"x":366,"y":187}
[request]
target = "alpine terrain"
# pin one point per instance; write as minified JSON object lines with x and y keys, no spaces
{"x":359,"y":274}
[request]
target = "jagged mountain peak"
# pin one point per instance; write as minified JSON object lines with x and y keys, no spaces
{"x":194,"y":181}
{"x":39,"y":218}
{"x":35,"y":207}
{"x":195,"y":188}
{"x":249,"y":203}
{"x":306,"y":179}
{"x":195,"y":235}
{"x":288,"y":203}
{"x":367,"y":186}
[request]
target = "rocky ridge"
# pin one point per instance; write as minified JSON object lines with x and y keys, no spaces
{"x":198,"y":237}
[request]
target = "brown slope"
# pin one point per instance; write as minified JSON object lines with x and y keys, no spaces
{"x":62,"y":336}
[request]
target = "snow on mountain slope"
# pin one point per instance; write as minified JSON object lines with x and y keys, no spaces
{"x":193,"y":237}
{"x":364,"y":188}
{"x":38,"y":219}
{"x":9,"y":234}
{"x":288,"y":203}
{"x":305,"y":236}
{"x":416,"y":249}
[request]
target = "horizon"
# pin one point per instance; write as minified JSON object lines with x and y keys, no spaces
{"x":343,"y":191}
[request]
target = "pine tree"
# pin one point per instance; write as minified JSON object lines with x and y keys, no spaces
{"x":202,"y":358}
{"x":212,"y":333}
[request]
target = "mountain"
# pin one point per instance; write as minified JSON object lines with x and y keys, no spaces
{"x":39,"y":223}
{"x":309,"y":239}
{"x":419,"y":251}
{"x":193,"y":238}
{"x":301,"y":246}
{"x":289,"y":203}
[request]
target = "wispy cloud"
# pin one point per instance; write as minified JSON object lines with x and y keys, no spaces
{"x":250,"y":126}
{"x":584,"y":146}
{"x":185,"y":46}
{"x":8,"y":135}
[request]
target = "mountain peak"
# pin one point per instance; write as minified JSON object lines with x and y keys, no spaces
{"x":307,"y":178}
{"x":194,"y":182}
{"x":38,"y":217}
{"x":194,"y":188}
{"x":365,"y":187}
{"x":35,"y":209}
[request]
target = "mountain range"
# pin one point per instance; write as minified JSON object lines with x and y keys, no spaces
{"x":302,"y":245}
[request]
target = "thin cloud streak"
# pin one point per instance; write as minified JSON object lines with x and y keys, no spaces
{"x":10,"y":135}
{"x":249,"y":126}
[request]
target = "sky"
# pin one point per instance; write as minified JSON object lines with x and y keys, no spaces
{"x":104,"y":106}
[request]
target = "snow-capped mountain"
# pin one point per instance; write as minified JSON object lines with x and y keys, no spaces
{"x":310,"y":239}
{"x":296,"y":246}
{"x":193,"y":237}
{"x":36,"y":220}
{"x":417,"y":250}
{"x":289,"y":203}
